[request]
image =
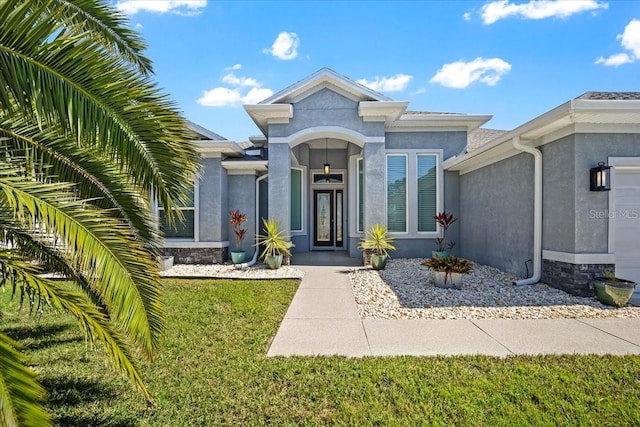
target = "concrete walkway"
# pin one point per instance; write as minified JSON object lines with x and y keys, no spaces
{"x":323,"y":320}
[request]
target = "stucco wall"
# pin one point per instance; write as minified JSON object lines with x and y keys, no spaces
{"x":326,"y":108}
{"x":592,"y":230}
{"x":558,"y":205}
{"x":452,"y":143}
{"x":213,"y":201}
{"x":496,"y":211}
{"x":242,"y":196}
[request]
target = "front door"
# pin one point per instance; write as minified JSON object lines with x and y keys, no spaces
{"x":327,"y":219}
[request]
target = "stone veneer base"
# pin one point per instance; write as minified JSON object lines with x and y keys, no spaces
{"x":197,"y":255}
{"x":573,"y":278}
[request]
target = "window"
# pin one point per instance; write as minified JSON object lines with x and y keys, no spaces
{"x":333,"y":178}
{"x":360,"y":196}
{"x":397,"y":193}
{"x":296,"y":199}
{"x":427,"y":192}
{"x":181,"y":230}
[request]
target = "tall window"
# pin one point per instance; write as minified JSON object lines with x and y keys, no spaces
{"x":360,"y":196}
{"x":397,"y":193}
{"x":296,"y":199}
{"x":427,"y":192}
{"x":180,"y":230}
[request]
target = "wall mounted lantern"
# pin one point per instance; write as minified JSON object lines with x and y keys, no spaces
{"x":600,"y":177}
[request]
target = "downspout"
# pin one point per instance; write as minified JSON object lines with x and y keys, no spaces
{"x":255,"y":254}
{"x":537,"y":212}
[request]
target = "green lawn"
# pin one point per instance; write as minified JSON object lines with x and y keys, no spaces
{"x":213,"y":370}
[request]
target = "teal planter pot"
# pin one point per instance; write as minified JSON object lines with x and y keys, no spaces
{"x":238,"y":257}
{"x":379,"y":262}
{"x":274,"y":262}
{"x":615,"y":292}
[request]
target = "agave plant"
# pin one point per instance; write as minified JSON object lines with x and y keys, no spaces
{"x":87,"y":141}
{"x":377,"y":239}
{"x":449,"y":264}
{"x":274,"y":241}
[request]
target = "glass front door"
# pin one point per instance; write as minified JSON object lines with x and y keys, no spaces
{"x":328,"y":218}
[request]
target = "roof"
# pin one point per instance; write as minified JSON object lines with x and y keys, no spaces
{"x":615,"y":96}
{"x":204,"y":133}
{"x":603,"y":112}
{"x":322,"y":77}
{"x":479,"y":137}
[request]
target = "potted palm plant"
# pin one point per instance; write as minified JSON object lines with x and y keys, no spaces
{"x":613,"y":291}
{"x":444,"y":220}
{"x":275,"y":244}
{"x":378,"y":242}
{"x":237,"y":219}
{"x":449,"y":270}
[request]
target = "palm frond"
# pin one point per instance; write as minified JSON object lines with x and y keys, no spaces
{"x":21,"y":396}
{"x":64,"y":79}
{"x":93,"y":323}
{"x":123,"y":273}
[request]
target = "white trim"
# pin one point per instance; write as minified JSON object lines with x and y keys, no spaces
{"x":245,"y":165}
{"x":214,"y":149}
{"x":353,"y":196}
{"x":583,"y":258}
{"x":325,"y":85}
{"x":467,"y":122}
{"x":192,"y":244}
{"x":303,"y":173}
{"x":439,"y":194}
{"x":325,"y":184}
{"x":406,"y":191}
{"x":381,"y":111}
{"x":617,"y":163}
{"x":316,"y":132}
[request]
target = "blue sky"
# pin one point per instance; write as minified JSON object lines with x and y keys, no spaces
{"x":512,"y":59}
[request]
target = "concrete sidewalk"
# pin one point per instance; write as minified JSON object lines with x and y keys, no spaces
{"x":323,"y":320}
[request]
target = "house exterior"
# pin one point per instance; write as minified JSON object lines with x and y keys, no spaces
{"x":522,"y":196}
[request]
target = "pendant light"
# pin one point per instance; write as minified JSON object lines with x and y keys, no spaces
{"x":327,"y":166}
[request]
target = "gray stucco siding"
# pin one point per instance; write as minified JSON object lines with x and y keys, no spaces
{"x":592,"y":230}
{"x":326,"y":108}
{"x":558,"y":206}
{"x":452,"y":143}
{"x":280,"y":185}
{"x":241,"y":196}
{"x":212,"y":201}
{"x":496,"y":211}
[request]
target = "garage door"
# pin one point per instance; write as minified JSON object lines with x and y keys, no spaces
{"x":627,"y":224}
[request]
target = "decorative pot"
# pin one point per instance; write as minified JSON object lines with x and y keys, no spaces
{"x":273,"y":261}
{"x":439,"y":254}
{"x":448,"y":280}
{"x":616,"y":292}
{"x":166,"y":262}
{"x":379,"y":262}
{"x":238,"y":257}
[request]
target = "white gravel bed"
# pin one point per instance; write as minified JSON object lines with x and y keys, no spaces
{"x":229,"y":271}
{"x":406,"y":290}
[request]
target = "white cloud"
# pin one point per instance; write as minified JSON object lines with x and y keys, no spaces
{"x":256,"y":95}
{"x":234,"y":80}
{"x":630,"y":40}
{"x":285,"y":46}
{"x":467,"y":16}
{"x":234,"y":67}
{"x":615,"y":60}
{"x":537,"y":9}
{"x":396,"y":83}
{"x":235,"y":95}
{"x":220,"y":97}
{"x":179,"y":7}
{"x":419,"y":91}
{"x":460,"y":74}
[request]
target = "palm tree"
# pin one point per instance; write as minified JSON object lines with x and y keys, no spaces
{"x":87,"y":142}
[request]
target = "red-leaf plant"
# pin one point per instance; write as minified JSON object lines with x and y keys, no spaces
{"x":444,"y":220}
{"x":237,"y":219}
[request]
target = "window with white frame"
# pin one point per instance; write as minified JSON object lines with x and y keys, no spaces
{"x":296,"y":199}
{"x":397,"y":193}
{"x":427,"y":193}
{"x":180,"y":230}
